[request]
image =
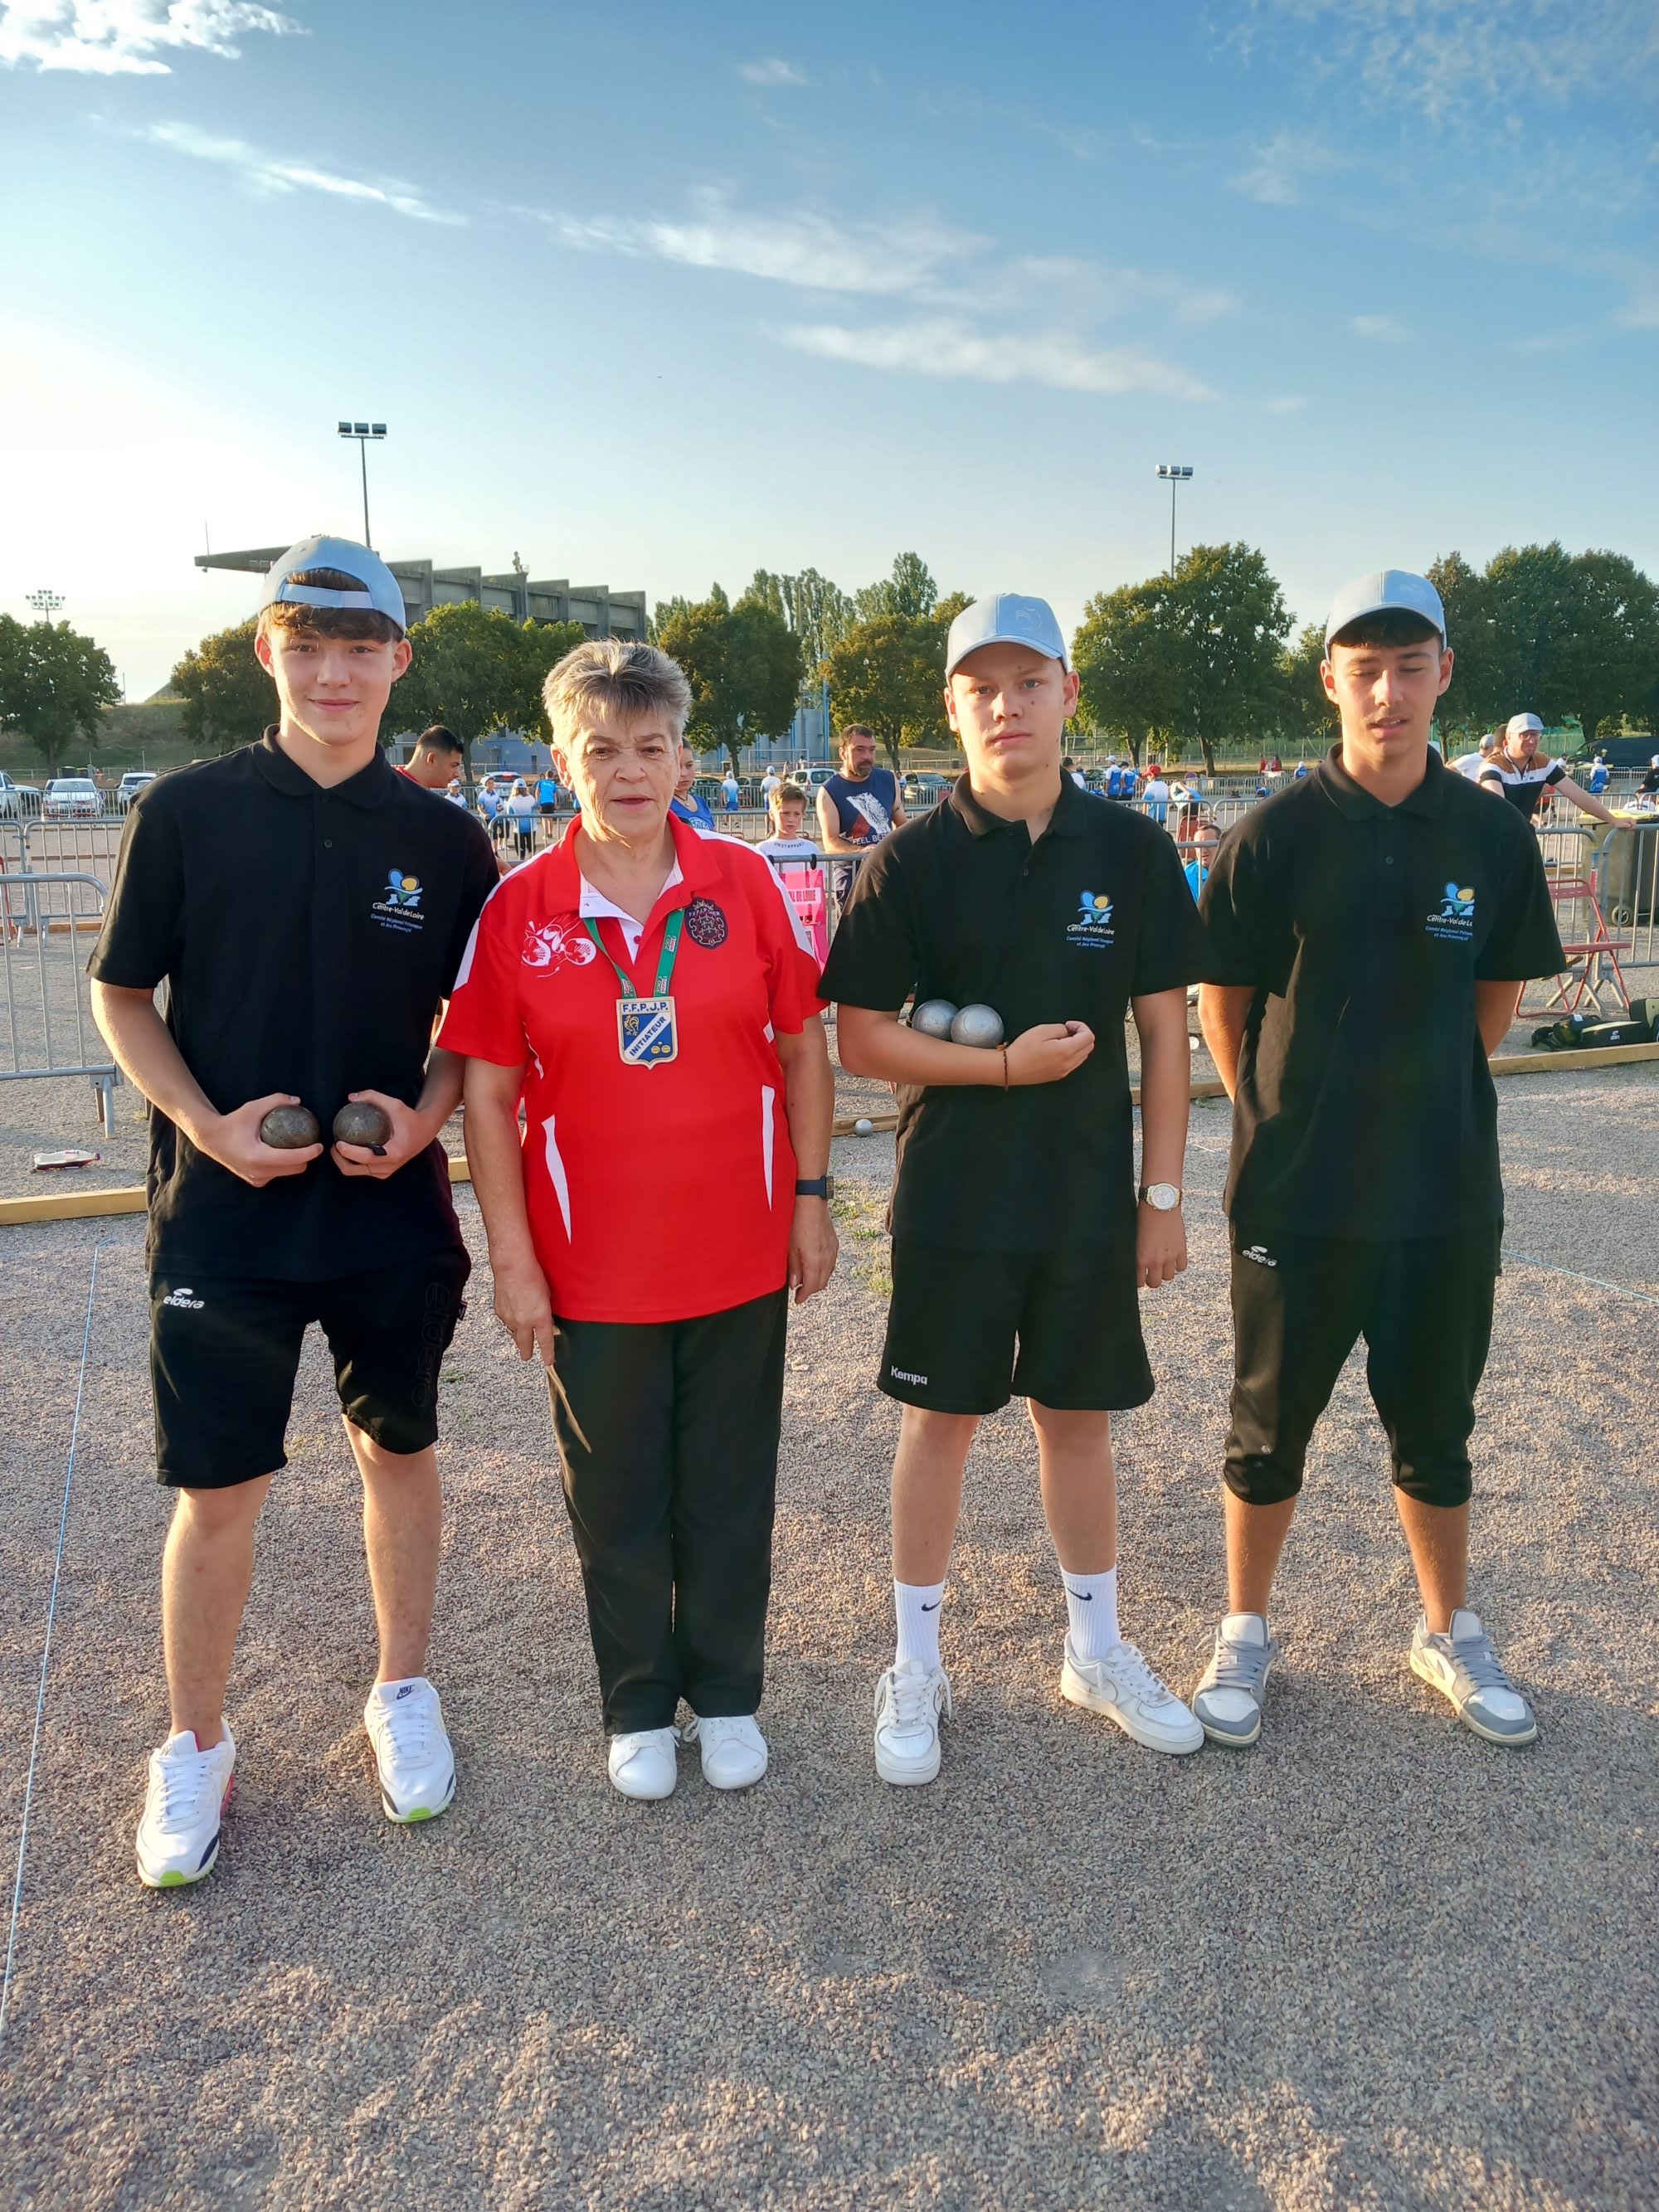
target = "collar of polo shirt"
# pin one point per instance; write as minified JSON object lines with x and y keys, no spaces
{"x":1069,"y":819}
{"x":1429,"y":799}
{"x":367,"y":789}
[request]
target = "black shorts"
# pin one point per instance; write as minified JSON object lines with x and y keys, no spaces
{"x":966,"y":1331}
{"x":223,"y":1354}
{"x":1301,"y":1303}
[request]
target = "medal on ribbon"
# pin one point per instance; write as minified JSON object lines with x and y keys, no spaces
{"x":648,"y":1031}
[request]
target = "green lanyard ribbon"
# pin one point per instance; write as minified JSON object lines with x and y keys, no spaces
{"x":670,"y":946}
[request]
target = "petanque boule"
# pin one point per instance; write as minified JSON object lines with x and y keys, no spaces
{"x":864,"y":1126}
{"x":932,"y":1017}
{"x":359,"y":1123}
{"x":290,"y":1128}
{"x":977,"y":1025}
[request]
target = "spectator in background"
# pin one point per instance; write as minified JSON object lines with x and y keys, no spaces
{"x":1205,"y":838}
{"x":731,"y":795}
{"x":1301,"y":770}
{"x":770,"y":784}
{"x":547,"y":796}
{"x":1275,"y":766}
{"x":1069,"y":766}
{"x":1470,"y":764}
{"x":1649,"y":783}
{"x":1155,"y":794}
{"x":787,"y":807}
{"x":686,"y":804}
{"x":521,"y":807}
{"x":1515,"y":773}
{"x":453,"y":793}
{"x":1598,"y":776}
{"x":858,"y":807}
{"x":436,"y":759}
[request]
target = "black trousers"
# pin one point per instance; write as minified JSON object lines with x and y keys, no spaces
{"x":1424,"y":1305}
{"x":671,"y":1501}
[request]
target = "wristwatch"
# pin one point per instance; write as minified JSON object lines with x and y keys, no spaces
{"x":1162,"y":1197}
{"x":821,"y":1187}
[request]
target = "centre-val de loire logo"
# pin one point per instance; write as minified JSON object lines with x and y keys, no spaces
{"x":398,"y":906}
{"x":1454,"y":918}
{"x":1093,"y":924}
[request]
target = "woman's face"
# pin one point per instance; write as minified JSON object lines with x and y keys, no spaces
{"x":623,"y":773}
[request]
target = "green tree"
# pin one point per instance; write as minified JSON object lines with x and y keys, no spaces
{"x":1481,"y":682}
{"x":54,"y":685}
{"x":477,"y":669}
{"x":229,"y":698}
{"x":909,"y":591}
{"x":1231,"y":624}
{"x":1307,"y":716}
{"x":888,"y":672}
{"x":1125,"y":656}
{"x":743,"y":664}
{"x":817,"y":610}
{"x":1609,"y":663}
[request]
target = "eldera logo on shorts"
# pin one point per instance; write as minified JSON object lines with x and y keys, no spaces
{"x":1093,"y":924}
{"x":398,"y":906}
{"x":185,"y":1298}
{"x":1454,"y":918}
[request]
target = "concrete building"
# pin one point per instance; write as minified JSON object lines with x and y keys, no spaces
{"x":601,"y":612}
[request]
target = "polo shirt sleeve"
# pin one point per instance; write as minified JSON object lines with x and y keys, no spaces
{"x":138,"y":943}
{"x":1230,"y":909}
{"x":479,"y":877}
{"x":484,"y":1021}
{"x":1523,"y":941}
{"x":1556,"y":773}
{"x":1171,"y":950}
{"x":792,"y":972}
{"x":874,"y":957}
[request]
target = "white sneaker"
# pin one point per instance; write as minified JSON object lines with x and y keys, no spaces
{"x":1465,"y":1669}
{"x":178,"y":1839}
{"x":734,"y":1754}
{"x":908,"y":1700}
{"x":405,"y":1724}
{"x":1124,"y":1687}
{"x":643,"y":1764}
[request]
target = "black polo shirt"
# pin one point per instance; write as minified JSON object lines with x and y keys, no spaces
{"x":1364,"y":1105}
{"x":962,"y":905}
{"x":307,"y":938}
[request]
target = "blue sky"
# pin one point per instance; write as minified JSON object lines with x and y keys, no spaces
{"x":660,"y":295}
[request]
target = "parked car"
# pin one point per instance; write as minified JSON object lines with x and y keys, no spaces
{"x":72,"y":797}
{"x":924,"y":789}
{"x":135,"y":780}
{"x":18,"y":801}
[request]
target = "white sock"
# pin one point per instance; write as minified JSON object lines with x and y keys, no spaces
{"x":1091,"y":1608}
{"x":917,"y":1605}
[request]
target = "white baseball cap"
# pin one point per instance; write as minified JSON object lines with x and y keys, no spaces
{"x":377,"y":588}
{"x":1006,"y":618}
{"x":1385,"y":591}
{"x":1518,"y":724}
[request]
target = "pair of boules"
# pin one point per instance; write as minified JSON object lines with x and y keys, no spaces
{"x":293,"y":1128}
{"x":978,"y":1025}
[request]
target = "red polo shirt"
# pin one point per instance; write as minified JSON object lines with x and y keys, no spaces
{"x":654,"y":1193}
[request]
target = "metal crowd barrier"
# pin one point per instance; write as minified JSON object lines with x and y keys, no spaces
{"x":1627,"y":884}
{"x":47,"y":923}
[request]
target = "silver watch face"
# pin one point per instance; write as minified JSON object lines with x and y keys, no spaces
{"x":1163,"y":1197}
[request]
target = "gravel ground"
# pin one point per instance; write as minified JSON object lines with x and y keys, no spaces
{"x":1374,"y":1963}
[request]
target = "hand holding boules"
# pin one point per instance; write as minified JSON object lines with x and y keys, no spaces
{"x":237,"y":1140}
{"x":1048,"y":1053}
{"x":407,"y":1133}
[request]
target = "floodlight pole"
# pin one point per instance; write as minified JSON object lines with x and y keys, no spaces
{"x":45,"y":605}
{"x":1178,"y":473}
{"x":363,"y":432}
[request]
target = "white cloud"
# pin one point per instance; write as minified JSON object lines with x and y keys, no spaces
{"x":1383,"y":329}
{"x":810,"y":251}
{"x":1275,"y":178}
{"x":1473,"y":59}
{"x":772,"y":71}
{"x":1290,"y":403}
{"x":944,"y":346}
{"x":271,"y":173}
{"x":124,"y":38}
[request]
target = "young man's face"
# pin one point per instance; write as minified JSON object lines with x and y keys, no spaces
{"x":792,"y":817}
{"x":1009,"y":705}
{"x":623,"y":772}
{"x":857,"y":757}
{"x":331,"y":689}
{"x":1386,"y":695}
{"x":435,"y":769}
{"x":685,"y":774}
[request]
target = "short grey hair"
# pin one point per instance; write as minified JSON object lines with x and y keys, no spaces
{"x":618,"y":674}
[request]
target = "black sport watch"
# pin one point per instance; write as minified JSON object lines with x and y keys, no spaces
{"x":821,"y":1187}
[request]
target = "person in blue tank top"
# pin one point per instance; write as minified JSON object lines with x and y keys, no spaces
{"x":857,"y":808}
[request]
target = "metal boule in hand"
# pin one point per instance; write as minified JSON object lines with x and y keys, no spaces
{"x":976,"y":1024}
{"x":359,"y":1123}
{"x":932,"y":1017}
{"x":290,"y":1128}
